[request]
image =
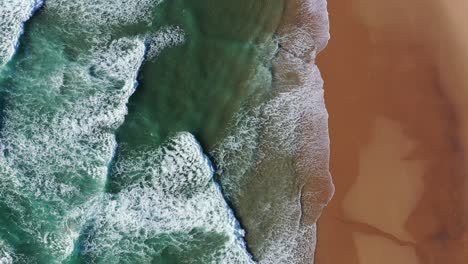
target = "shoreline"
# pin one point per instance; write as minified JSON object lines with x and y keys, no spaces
{"x":303,"y":33}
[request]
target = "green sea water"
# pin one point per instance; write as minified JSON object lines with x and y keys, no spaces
{"x":199,"y":85}
{"x":104,"y":148}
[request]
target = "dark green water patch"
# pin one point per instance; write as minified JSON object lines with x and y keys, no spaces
{"x":197,"y":86}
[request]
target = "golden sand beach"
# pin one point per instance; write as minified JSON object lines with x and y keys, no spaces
{"x":396,"y":90}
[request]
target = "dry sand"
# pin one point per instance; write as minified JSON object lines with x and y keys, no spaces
{"x":396,"y":85}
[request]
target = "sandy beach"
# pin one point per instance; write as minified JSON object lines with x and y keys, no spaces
{"x":397,"y":96}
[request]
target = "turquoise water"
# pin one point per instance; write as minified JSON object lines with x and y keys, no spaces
{"x":129,"y":128}
{"x":72,"y":191}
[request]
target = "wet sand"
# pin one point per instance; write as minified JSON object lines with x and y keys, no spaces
{"x":397,"y":94}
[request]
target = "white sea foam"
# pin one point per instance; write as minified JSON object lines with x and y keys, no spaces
{"x":58,"y":137}
{"x":58,"y":129}
{"x":179,"y":168}
{"x":163,"y":38}
{"x":6,"y":255}
{"x":13,"y":14}
{"x":58,"y":154}
{"x":170,"y":202}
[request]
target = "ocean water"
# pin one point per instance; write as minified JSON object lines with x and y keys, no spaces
{"x":141,"y":131}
